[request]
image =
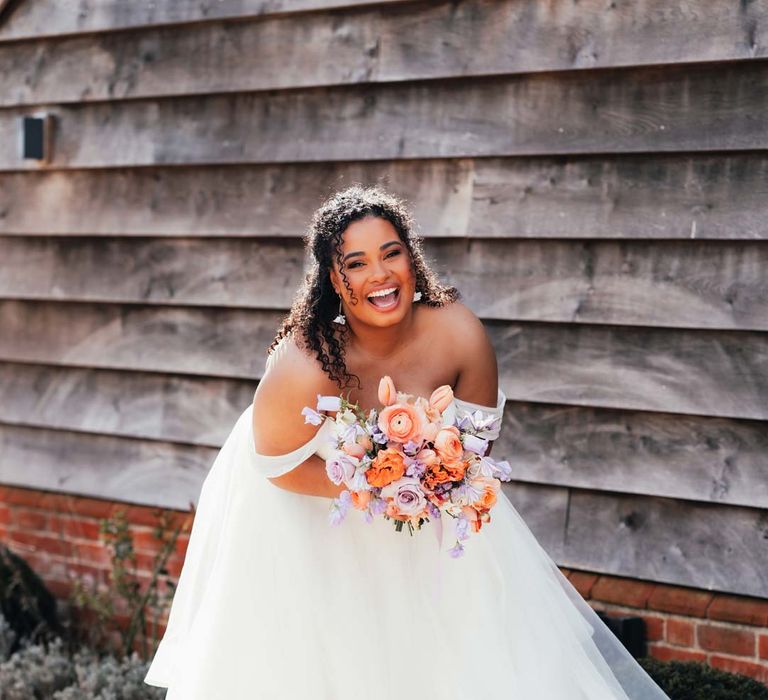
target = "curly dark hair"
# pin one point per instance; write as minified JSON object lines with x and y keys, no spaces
{"x":316,"y":302}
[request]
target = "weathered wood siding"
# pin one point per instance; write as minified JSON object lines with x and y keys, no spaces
{"x":593,"y":176}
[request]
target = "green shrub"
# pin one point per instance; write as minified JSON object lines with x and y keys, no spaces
{"x":694,"y":680}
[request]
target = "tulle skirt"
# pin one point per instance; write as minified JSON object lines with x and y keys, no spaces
{"x":273,"y":603}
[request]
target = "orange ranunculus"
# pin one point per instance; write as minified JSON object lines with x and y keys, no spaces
{"x":387,"y":392}
{"x":441,"y":397}
{"x":490,"y":488}
{"x":361,"y":499}
{"x":387,"y":466}
{"x":448,"y":445}
{"x":439,"y":473}
{"x":402,"y":422}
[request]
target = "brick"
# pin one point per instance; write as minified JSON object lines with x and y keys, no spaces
{"x":38,"y":543}
{"x":762,"y":646}
{"x":679,"y":599}
{"x":731,"y":608}
{"x":667,"y":653}
{"x":5,"y":515}
{"x":654,"y":627}
{"x":77,"y":528}
{"x":622,"y":591}
{"x":746,"y":668}
{"x":91,"y":553}
{"x":21,"y":497}
{"x":728,"y":640}
{"x":30,"y":519}
{"x":583,"y":581}
{"x":681,"y":633}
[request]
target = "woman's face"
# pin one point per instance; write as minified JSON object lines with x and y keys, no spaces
{"x":374,"y":258}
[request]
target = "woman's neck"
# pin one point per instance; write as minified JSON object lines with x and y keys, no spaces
{"x":374,"y":343}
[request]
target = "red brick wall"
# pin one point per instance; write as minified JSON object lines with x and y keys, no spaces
{"x":687,"y":624}
{"x":58,"y":535}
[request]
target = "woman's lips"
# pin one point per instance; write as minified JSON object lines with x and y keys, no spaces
{"x":391,"y":306}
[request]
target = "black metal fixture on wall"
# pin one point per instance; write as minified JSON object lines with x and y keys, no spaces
{"x":35,"y":142}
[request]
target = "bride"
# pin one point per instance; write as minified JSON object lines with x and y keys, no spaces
{"x":275,"y":603}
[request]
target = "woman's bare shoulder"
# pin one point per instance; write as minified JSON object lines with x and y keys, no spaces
{"x":292,"y":381}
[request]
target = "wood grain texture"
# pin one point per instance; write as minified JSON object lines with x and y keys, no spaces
{"x":237,"y":201}
{"x":715,"y":373}
{"x":147,"y":405}
{"x":692,"y":108}
{"x":136,"y":471}
{"x":678,"y":284}
{"x":718,"y":460}
{"x":393,"y":42}
{"x":707,"y":373}
{"x":715,"y":547}
{"x":654,"y":196}
{"x":689,"y":457}
{"x":49,"y":18}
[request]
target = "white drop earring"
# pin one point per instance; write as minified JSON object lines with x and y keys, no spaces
{"x":416,"y":296}
{"x":340,"y":319}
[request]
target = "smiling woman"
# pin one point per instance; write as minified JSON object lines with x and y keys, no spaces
{"x":273,"y":602}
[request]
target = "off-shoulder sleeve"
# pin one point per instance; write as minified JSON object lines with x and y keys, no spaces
{"x":489,"y":418}
{"x":276,"y":465}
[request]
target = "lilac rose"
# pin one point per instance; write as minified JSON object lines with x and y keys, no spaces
{"x":406,"y":494}
{"x":340,"y":467}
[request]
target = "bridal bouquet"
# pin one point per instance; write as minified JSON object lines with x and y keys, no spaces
{"x":407,"y":464}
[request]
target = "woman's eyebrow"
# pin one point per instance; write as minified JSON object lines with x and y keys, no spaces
{"x":360,"y":252}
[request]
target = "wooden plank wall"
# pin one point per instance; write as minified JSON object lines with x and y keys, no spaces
{"x":593,"y":176}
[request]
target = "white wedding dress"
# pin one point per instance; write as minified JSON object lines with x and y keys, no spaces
{"x":274,"y":603}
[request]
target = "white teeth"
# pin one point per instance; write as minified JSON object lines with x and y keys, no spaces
{"x":382,"y":292}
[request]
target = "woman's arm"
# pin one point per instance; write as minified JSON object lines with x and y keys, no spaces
{"x":292,"y":382}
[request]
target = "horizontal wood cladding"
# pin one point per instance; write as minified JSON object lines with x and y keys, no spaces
{"x":135,"y":471}
{"x":659,"y":196}
{"x":152,"y":406}
{"x":43,"y":18}
{"x":671,"y":108}
{"x":683,"y":284}
{"x":689,"y":457}
{"x":394,"y":42}
{"x":699,"y":372}
{"x":716,"y":547}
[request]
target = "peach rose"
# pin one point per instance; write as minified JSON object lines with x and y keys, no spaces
{"x":354,"y":450}
{"x":387,"y":391}
{"x":388,"y":466}
{"x":427,"y":456}
{"x":441,"y":397}
{"x":490,"y":489}
{"x":448,"y":445}
{"x":402,"y":422}
{"x":474,"y":519}
{"x":361,"y":499}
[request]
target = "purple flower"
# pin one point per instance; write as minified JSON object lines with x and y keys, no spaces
{"x":378,"y":506}
{"x":415,"y":467}
{"x":475,"y":444}
{"x":339,"y":508}
{"x":462,"y":528}
{"x":407,"y":495}
{"x":457,"y":550}
{"x":340,"y":467}
{"x":434,"y":511}
{"x":311,"y":416}
{"x":411,"y":447}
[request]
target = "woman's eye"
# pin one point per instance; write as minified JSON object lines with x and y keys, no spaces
{"x":353,"y":265}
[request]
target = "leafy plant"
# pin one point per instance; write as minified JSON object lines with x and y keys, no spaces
{"x":142,"y":604}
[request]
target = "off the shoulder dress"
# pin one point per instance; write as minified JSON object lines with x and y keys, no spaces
{"x":274,"y":603}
